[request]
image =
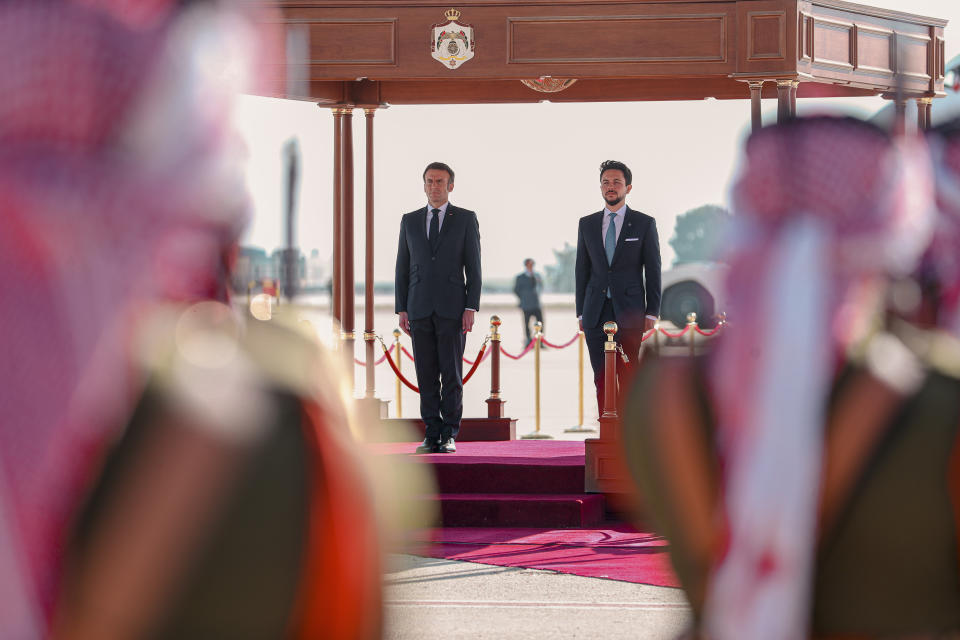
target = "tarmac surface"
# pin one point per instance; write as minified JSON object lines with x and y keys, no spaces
{"x":428,"y":598}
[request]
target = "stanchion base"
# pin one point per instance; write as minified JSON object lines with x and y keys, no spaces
{"x":536,"y":435}
{"x":580,"y":429}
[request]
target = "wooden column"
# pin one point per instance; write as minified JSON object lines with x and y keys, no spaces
{"x":603,"y":471}
{"x":756,"y":119}
{"x":495,"y":402}
{"x":335,"y":308}
{"x":368,"y":332}
{"x":793,"y":97}
{"x":346,"y":256}
{"x":924,"y":110}
{"x":784,"y":88}
{"x":899,"y":115}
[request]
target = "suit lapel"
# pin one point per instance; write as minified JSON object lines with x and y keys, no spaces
{"x":595,"y":234}
{"x":448,"y":220}
{"x":629,"y":222}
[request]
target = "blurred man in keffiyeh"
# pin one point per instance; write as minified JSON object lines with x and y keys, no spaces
{"x":778,"y":467}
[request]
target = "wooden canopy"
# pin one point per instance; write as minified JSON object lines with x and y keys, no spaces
{"x":376,"y":52}
{"x":368,"y":54}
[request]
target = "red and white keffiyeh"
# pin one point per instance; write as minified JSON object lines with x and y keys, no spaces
{"x":943,"y":256}
{"x":823,"y":205}
{"x":119,"y":186}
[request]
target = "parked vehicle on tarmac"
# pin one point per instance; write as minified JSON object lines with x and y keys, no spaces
{"x":695,"y":287}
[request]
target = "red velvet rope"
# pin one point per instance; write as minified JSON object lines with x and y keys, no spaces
{"x":410,"y":356}
{"x":561,"y":346}
{"x":485,"y":356}
{"x":376,"y":362}
{"x":476,"y":363}
{"x":393,"y":366}
{"x":526,"y":350}
{"x":679,"y":334}
{"x":707,"y":334}
{"x":646,"y":335}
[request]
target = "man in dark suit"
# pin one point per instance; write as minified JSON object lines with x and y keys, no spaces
{"x":437,"y":297}
{"x":528,"y":287}
{"x":617,"y":271}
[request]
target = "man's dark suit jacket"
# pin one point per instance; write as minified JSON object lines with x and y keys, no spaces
{"x":636,"y":258}
{"x":445,"y":283}
{"x":527,"y":288}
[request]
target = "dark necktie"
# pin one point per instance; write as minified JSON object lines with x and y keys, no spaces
{"x":434,"y":235}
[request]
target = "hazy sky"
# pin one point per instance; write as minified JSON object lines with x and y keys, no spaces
{"x":529,"y":171}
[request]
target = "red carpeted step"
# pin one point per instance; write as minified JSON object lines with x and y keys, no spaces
{"x":520,"y":510}
{"x":456,"y":476}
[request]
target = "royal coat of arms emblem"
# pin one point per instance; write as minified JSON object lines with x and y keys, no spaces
{"x":452,"y":43}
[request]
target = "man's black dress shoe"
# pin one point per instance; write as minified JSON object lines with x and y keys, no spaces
{"x":447,"y":446}
{"x":429,"y":446}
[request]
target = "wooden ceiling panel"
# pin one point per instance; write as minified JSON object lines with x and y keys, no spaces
{"x":364,"y":51}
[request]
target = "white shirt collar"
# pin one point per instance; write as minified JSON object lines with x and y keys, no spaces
{"x":622,"y":211}
{"x":443,"y":208}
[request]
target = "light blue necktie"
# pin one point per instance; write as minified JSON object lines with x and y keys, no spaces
{"x":610,"y":241}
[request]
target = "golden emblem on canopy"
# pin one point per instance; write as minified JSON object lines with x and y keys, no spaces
{"x":452,"y":43}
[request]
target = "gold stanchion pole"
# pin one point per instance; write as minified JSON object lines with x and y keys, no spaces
{"x":536,"y":435}
{"x":656,"y":337}
{"x":396,"y":352}
{"x":579,"y":428}
{"x":692,"y":325}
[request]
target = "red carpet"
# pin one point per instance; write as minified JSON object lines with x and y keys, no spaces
{"x":617,"y":552}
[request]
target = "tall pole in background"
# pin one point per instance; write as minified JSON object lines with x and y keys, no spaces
{"x":335,"y":309}
{"x":347,"y":282}
{"x":368,"y":332}
{"x":290,"y":273}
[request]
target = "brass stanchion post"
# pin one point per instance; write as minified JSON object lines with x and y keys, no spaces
{"x":538,"y":339}
{"x":397,"y":353}
{"x":580,"y":428}
{"x":692,"y":326}
{"x":609,"y":374}
{"x":495,"y":402}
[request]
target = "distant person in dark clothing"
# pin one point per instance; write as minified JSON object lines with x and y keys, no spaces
{"x":528,"y":287}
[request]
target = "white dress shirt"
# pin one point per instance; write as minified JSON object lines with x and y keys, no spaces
{"x":617,"y":221}
{"x":442,"y":214}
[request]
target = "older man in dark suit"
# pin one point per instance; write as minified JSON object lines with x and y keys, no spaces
{"x":617,"y":271}
{"x":437,"y":296}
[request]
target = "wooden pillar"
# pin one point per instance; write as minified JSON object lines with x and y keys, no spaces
{"x":368,"y":332}
{"x":899,"y":115}
{"x":347,"y":283}
{"x":756,"y":119}
{"x":924,"y":111}
{"x":793,"y":98}
{"x":495,"y":402}
{"x":335,"y":309}
{"x":783,"y":100}
{"x":603,"y":470}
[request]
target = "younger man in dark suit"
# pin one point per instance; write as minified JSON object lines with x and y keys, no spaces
{"x":617,"y":271}
{"x":437,"y":296}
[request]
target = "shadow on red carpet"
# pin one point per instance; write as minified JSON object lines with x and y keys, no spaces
{"x":617,"y":552}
